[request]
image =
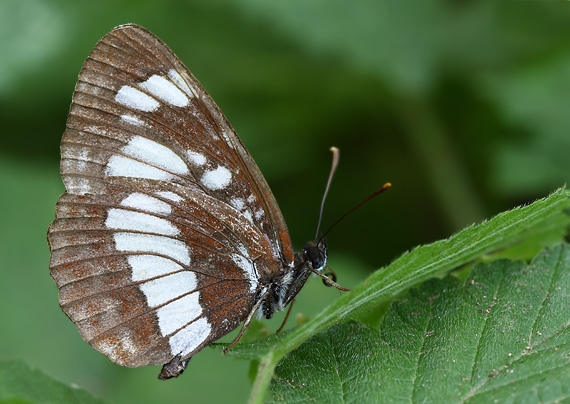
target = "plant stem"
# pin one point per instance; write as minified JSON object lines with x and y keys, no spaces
{"x":446,"y":176}
{"x":264,"y":374}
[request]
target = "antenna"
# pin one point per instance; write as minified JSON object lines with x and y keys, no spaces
{"x":375,"y":193}
{"x":335,"y":153}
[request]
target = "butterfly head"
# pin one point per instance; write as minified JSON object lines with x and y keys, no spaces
{"x":315,"y":254}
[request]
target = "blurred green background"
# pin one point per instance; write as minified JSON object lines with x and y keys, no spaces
{"x":463,"y":105}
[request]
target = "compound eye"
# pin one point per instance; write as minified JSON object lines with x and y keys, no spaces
{"x":316,"y":258}
{"x":318,"y":262}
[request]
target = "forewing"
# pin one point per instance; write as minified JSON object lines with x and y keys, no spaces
{"x":167,"y":224}
{"x":138,"y":112}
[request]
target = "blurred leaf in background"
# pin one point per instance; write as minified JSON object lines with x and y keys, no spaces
{"x":20,"y":385}
{"x":460,"y":104}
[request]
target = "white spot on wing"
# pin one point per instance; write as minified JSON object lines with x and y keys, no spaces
{"x":247,"y":214}
{"x":147,"y":203}
{"x":162,"y":290}
{"x":165,"y":90}
{"x":177,"y":78}
{"x":170,"y":195}
{"x":148,"y":243}
{"x":178,"y":313}
{"x":196,"y":158}
{"x":150,"y":266}
{"x":122,"y":219}
{"x":133,"y":120}
{"x":217,"y":179}
{"x":121,"y":166}
{"x":237,"y":203}
{"x":155,"y":154}
{"x":133,"y":98}
{"x":247,"y":266}
{"x":145,"y":160}
{"x":190,"y":337}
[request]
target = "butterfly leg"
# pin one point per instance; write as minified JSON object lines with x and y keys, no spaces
{"x":286,"y":317}
{"x":331,"y":274}
{"x":247,"y":321}
{"x":174,"y":368}
{"x":329,"y":281}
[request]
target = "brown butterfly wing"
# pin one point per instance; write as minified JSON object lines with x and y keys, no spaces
{"x":167,"y":228}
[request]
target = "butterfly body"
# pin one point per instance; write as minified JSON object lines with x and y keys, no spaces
{"x":167,"y":237}
{"x":283,"y":288}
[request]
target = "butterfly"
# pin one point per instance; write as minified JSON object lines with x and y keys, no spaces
{"x":168,"y":236}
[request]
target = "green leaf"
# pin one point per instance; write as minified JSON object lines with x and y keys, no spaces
{"x":504,"y":230}
{"x":551,"y":232}
{"x":502,"y":336}
{"x":19,"y":383}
